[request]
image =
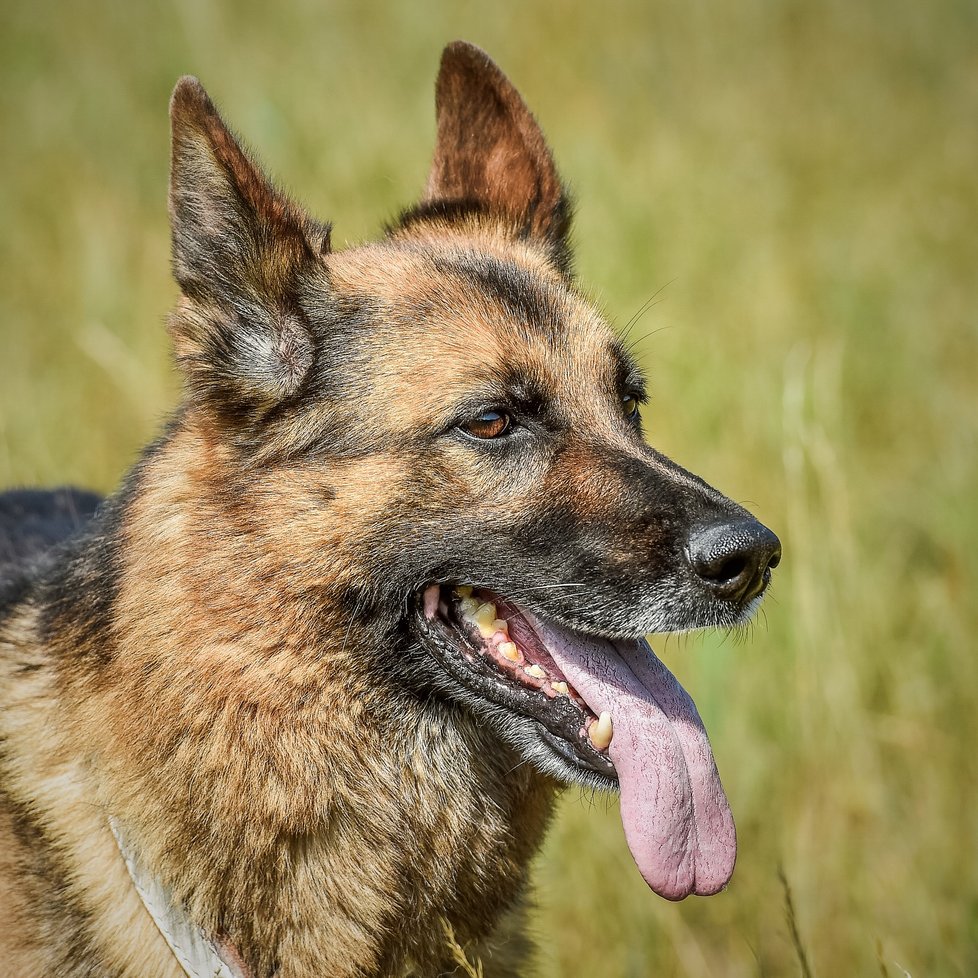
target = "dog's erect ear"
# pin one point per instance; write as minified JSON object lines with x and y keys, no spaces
{"x":490,"y":151}
{"x":239,"y":248}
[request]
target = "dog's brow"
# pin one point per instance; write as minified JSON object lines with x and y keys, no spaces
{"x":526,"y":298}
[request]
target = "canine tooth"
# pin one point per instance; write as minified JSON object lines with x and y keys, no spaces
{"x":601,"y":731}
{"x":501,"y":625}
{"x":510,"y":651}
{"x":535,"y":671}
{"x":468,"y":606}
{"x":464,"y":591}
{"x":561,"y":688}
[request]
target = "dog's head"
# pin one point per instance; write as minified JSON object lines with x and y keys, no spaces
{"x":445,"y":427}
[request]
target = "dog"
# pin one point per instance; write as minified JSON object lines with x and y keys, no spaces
{"x":298,"y":698}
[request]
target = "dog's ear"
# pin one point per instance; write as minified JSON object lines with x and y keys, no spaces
{"x":239,"y":249}
{"x":491,"y":153}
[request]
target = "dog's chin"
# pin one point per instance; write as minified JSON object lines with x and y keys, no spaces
{"x":488,"y":654}
{"x":679,"y":606}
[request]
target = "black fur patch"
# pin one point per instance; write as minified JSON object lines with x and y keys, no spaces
{"x":32,"y":520}
{"x":558,"y":246}
{"x":437,"y":210}
{"x":523,"y":295}
{"x":32,"y":523}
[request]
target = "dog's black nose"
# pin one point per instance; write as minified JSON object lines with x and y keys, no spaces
{"x":734,"y":559}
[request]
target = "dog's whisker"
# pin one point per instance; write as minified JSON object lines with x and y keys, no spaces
{"x":544,"y":587}
{"x":649,"y":302}
{"x":634,"y":342}
{"x":637,"y":318}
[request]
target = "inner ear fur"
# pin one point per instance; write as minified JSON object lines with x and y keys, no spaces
{"x":239,"y":249}
{"x":491,"y":154}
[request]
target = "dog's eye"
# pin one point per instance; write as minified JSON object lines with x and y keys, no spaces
{"x":629,"y":405}
{"x":489,"y":424}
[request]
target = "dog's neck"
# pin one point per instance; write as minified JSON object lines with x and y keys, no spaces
{"x":285,"y":794}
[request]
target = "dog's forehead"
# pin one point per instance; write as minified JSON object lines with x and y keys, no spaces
{"x":451,"y":320}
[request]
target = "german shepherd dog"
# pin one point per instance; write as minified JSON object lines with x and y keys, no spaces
{"x":298,"y":698}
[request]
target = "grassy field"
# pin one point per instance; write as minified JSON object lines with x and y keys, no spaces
{"x":800,"y":180}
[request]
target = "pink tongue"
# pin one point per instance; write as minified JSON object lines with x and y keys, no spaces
{"x":676,"y":817}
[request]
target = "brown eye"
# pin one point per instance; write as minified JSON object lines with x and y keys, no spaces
{"x":489,"y":424}
{"x":630,"y":407}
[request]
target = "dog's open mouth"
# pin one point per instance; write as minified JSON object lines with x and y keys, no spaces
{"x":612,"y":712}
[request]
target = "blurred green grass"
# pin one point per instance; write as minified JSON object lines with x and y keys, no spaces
{"x":800,"y":181}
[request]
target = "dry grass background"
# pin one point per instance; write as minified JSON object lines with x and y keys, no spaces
{"x":800,"y":179}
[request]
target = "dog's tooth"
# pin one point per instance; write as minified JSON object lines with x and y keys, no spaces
{"x":501,"y":625}
{"x":535,"y":671}
{"x":559,"y":687}
{"x":464,"y":590}
{"x":601,"y":731}
{"x":468,"y":606}
{"x":485,"y":617}
{"x":510,"y":651}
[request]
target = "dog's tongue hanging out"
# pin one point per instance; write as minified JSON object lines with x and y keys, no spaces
{"x":676,"y":817}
